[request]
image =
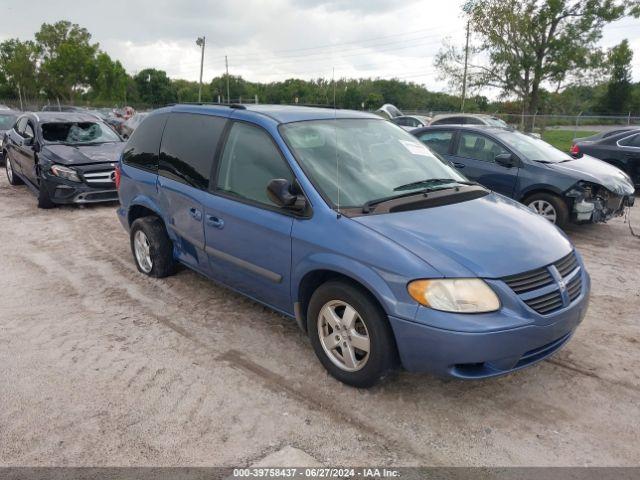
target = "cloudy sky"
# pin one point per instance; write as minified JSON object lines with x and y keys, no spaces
{"x":272,"y":40}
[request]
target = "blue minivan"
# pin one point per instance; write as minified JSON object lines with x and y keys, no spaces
{"x":384,"y":254}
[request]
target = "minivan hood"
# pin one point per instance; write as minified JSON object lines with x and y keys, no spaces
{"x":592,"y":170}
{"x":489,"y":237}
{"x":83,"y":154}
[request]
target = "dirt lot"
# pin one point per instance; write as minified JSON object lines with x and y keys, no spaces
{"x":100,"y":365}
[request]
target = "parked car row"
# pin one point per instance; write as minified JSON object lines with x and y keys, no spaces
{"x":552,"y":183}
{"x":373,"y":240}
{"x":619,"y":147}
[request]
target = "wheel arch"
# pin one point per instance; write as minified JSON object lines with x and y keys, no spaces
{"x":371,"y":283}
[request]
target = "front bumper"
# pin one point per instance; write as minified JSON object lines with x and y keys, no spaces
{"x":483,"y":354}
{"x":66,"y":192}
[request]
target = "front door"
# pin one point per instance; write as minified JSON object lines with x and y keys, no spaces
{"x":475,"y":155}
{"x":248,"y":238}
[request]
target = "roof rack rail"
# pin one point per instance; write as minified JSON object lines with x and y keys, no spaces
{"x":239,"y":106}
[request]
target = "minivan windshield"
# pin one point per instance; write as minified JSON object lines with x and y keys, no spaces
{"x":533,"y":148}
{"x":357,"y":161}
{"x":78,"y":133}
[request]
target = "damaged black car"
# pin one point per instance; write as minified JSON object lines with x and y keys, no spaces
{"x":552,"y":183}
{"x":64,"y":157}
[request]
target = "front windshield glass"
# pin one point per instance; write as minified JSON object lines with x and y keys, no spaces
{"x":354,"y":162}
{"x":7,"y":121}
{"x":78,"y":133}
{"x":533,"y":148}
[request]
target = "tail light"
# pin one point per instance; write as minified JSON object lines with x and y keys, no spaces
{"x":575,"y":150}
{"x":116,"y":177}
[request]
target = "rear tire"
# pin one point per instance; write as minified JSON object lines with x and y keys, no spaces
{"x":11,"y":175}
{"x":358,"y":352}
{"x":549,"y":206}
{"x":151,"y":247}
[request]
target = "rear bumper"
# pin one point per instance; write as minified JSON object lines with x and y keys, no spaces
{"x":476,"y":355}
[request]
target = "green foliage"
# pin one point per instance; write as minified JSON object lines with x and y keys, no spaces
{"x":617,"y":97}
{"x":530,"y":44}
{"x":18,"y":66}
{"x":66,"y":58}
{"x":108,"y":79}
{"x":563,"y":139}
{"x":155,"y":88}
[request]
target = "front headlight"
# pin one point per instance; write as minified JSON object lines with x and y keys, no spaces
{"x":65,"y":172}
{"x":459,"y":295}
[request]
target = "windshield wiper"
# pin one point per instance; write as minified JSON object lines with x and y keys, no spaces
{"x":430,"y":181}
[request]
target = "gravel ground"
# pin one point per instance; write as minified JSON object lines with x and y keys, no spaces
{"x":102,"y":366}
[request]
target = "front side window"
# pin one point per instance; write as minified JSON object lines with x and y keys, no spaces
{"x":478,"y":147}
{"x":355,"y":161}
{"x":78,"y":133}
{"x":249,"y":162}
{"x":437,"y":141}
{"x":189,"y":146}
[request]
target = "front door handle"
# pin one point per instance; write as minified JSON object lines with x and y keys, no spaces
{"x":195,"y":213}
{"x":458,"y":165}
{"x":215,"y":222}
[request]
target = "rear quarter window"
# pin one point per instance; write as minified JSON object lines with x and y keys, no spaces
{"x":143,"y":147}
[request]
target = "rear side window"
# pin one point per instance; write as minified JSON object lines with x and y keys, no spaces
{"x":437,"y":141}
{"x":250,"y":161}
{"x":142,"y":148}
{"x":189,"y":146}
{"x":633,"y":141}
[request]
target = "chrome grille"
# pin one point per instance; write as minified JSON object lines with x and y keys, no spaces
{"x":104,"y":176}
{"x":553,"y":280}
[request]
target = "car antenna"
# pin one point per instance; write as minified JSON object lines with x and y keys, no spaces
{"x":333,"y":81}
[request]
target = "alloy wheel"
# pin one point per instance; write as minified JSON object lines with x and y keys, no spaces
{"x":545,"y":209}
{"x":142,"y":250}
{"x":344,"y":335}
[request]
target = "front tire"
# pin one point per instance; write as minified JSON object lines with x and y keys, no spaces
{"x":350,"y":334}
{"x":11,"y":175}
{"x":549,"y":206}
{"x":151,"y":247}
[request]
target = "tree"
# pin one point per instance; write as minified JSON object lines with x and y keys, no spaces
{"x":617,"y":97}
{"x":66,"y":58}
{"x":527,"y":44}
{"x":108,"y":79}
{"x":18,"y":66}
{"x":155,"y":88}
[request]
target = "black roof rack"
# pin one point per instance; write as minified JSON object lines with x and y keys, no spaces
{"x":238,"y":106}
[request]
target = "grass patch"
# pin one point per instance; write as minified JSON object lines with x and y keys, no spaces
{"x":562,"y":139}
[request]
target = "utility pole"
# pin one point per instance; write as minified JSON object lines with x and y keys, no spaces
{"x":226,"y":66}
{"x":466,"y":63}
{"x":201,"y":43}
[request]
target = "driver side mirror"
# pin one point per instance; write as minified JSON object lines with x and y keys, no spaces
{"x":285,"y":195}
{"x":506,"y":160}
